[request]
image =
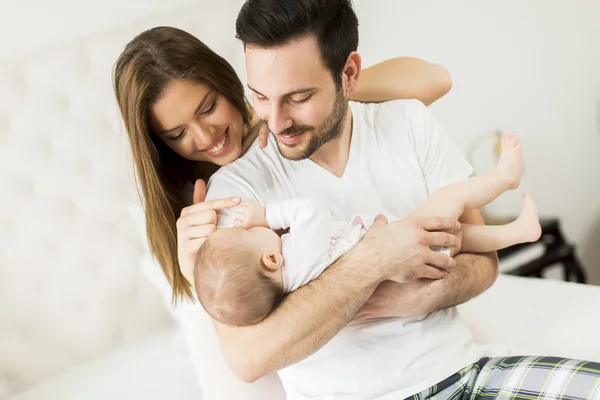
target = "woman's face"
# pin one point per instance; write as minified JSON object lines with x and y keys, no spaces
{"x":198,"y":123}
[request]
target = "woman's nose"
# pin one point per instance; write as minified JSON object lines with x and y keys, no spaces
{"x":204,"y":136}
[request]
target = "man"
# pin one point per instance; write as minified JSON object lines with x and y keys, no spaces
{"x":301,"y":63}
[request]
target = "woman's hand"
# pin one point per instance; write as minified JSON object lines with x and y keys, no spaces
{"x":261,"y":131}
{"x":263,"y":134}
{"x":195,"y":224}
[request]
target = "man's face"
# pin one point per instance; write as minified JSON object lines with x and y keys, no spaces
{"x":295,"y":93}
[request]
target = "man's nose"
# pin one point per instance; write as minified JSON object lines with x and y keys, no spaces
{"x":279,"y":120}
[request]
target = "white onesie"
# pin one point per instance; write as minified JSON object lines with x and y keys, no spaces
{"x":315,"y":240}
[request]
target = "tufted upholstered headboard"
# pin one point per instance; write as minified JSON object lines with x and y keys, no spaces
{"x":70,"y":286}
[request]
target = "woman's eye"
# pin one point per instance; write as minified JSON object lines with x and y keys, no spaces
{"x":178,"y":136}
{"x":211,"y":109}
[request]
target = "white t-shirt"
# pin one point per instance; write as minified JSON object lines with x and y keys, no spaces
{"x":314,"y":241}
{"x":399,"y":155}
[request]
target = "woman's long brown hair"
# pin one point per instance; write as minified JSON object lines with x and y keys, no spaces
{"x":145,"y":67}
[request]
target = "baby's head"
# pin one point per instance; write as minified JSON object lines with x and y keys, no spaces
{"x":238,"y":274}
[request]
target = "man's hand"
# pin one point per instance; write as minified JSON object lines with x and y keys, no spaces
{"x":456,"y":249}
{"x":402,"y":249}
{"x":472,"y":274}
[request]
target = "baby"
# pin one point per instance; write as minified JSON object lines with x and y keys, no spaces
{"x":242,"y":273}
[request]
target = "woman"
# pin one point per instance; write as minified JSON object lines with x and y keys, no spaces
{"x":185,"y":113}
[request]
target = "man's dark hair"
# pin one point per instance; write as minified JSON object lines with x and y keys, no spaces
{"x":270,"y":23}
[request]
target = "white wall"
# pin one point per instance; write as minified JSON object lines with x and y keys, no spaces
{"x":28,"y":25}
{"x":530,"y":67}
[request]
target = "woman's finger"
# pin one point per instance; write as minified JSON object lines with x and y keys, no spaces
{"x":193,"y":245}
{"x":196,"y":232}
{"x":199,"y":192}
{"x":217,"y":204}
{"x":199,"y":218}
{"x":263,"y":135}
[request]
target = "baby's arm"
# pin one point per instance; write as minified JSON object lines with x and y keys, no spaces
{"x":298,"y":213}
{"x":250,"y":214}
{"x":282,"y":214}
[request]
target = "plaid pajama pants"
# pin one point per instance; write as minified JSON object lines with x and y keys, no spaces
{"x":520,"y":378}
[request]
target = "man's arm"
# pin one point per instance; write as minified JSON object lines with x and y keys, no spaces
{"x":310,"y":316}
{"x":307,"y":318}
{"x":472,"y":275}
{"x":304,"y":322}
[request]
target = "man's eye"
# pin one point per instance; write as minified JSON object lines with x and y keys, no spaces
{"x":304,"y":100}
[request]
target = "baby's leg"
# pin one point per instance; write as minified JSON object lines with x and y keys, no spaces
{"x":476,"y":192}
{"x":483,"y":239}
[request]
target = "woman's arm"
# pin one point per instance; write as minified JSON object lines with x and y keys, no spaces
{"x":402,"y":78}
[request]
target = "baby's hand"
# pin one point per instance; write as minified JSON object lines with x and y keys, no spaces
{"x":250,"y":215}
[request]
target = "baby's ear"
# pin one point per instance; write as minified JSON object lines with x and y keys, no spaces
{"x":272,"y":261}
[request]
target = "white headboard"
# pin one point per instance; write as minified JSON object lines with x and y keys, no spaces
{"x":70,"y":286}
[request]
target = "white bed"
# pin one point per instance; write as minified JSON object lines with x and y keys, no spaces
{"x":78,"y":317}
{"x":530,"y":316}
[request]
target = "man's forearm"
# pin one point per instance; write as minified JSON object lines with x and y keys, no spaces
{"x":305,"y":321}
{"x":473,"y":274}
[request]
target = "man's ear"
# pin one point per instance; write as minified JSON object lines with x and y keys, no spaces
{"x":272,"y":261}
{"x":351,"y":72}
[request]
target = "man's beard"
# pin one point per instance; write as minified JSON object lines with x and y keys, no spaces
{"x":330,"y":129}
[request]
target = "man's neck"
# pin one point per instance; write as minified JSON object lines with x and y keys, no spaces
{"x":333,"y":155}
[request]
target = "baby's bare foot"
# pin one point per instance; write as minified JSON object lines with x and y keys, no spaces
{"x":528,"y":221}
{"x":511,"y":160}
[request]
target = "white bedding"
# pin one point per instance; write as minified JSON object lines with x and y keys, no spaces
{"x":532,"y":316}
{"x":538,"y":316}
